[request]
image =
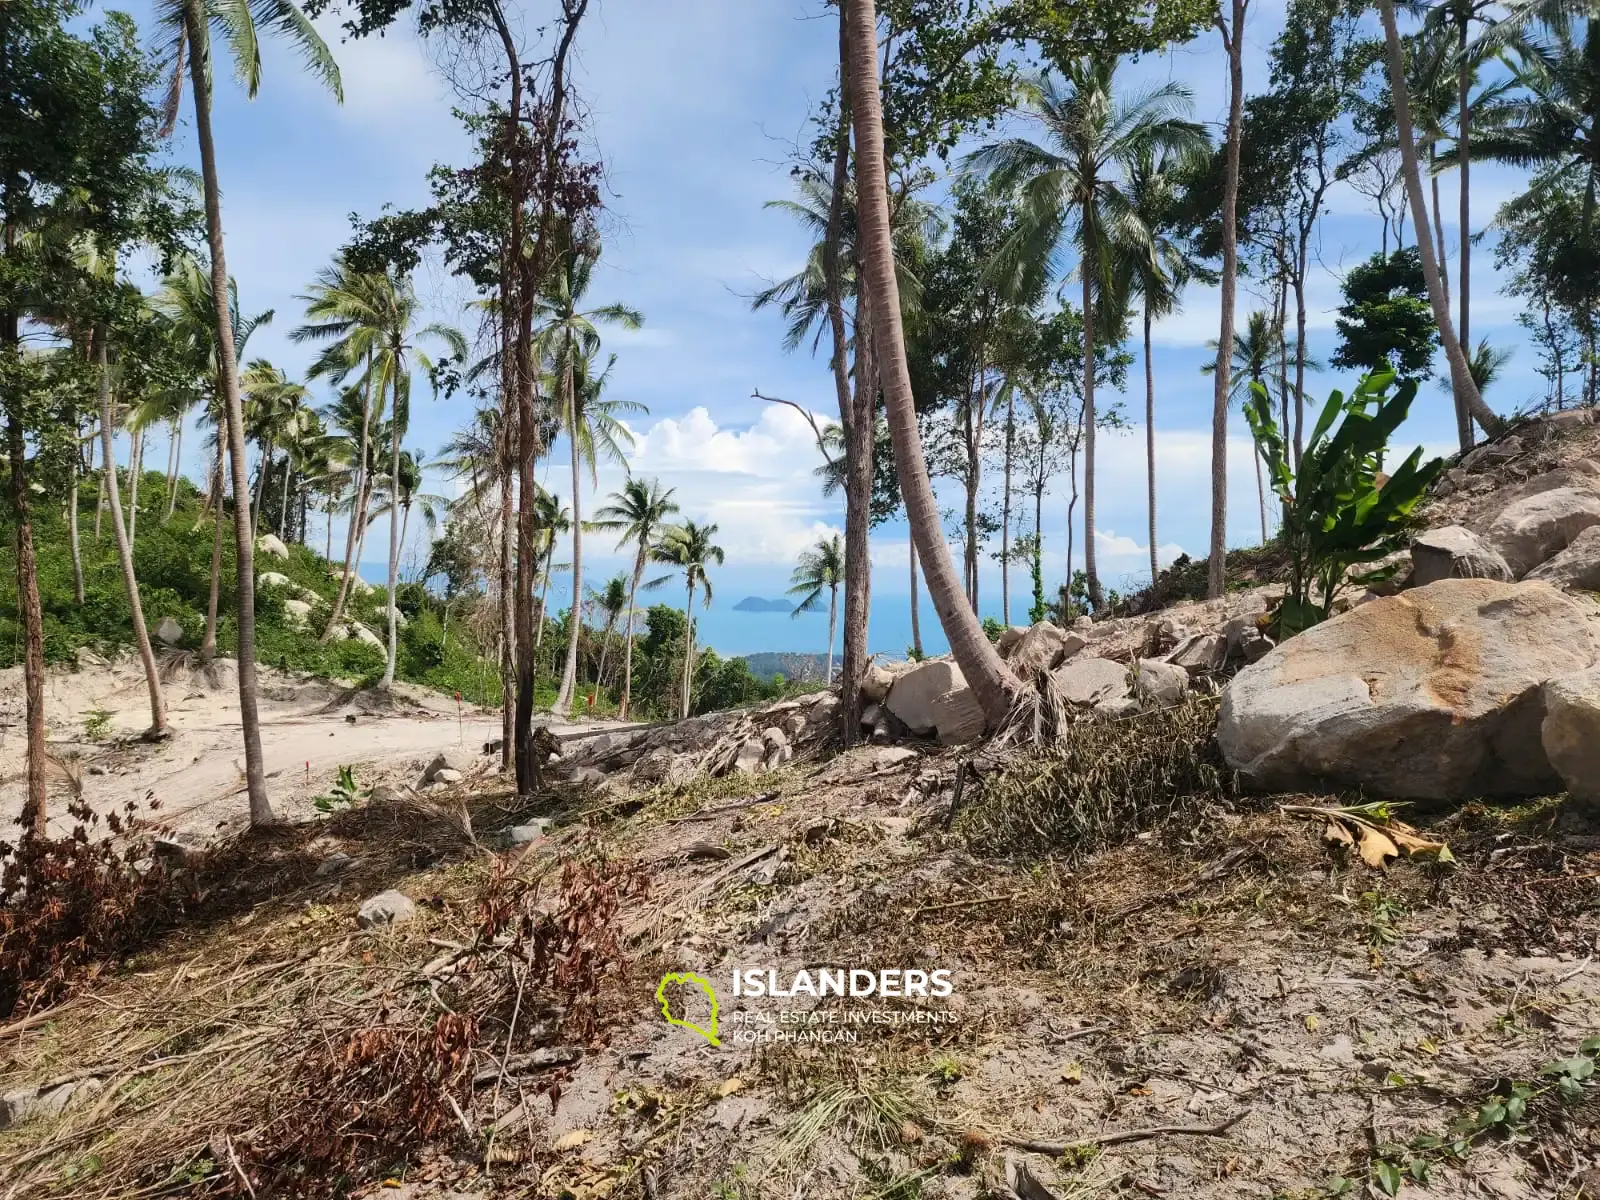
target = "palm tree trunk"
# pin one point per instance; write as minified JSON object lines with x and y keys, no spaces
{"x":100,"y":503}
{"x":1233,"y":42}
{"x":544,"y":594}
{"x":141,"y":635}
{"x":393,"y":647}
{"x":916,"y":623}
{"x":605,"y":652}
{"x":1438,"y":221}
{"x":228,"y":375}
{"x":358,"y":505}
{"x":1465,"y":389}
{"x":35,"y":812}
{"x":686,"y":684}
{"x":177,"y":465}
{"x":569,"y":671}
{"x":135,"y":469}
{"x":261,"y":483}
{"x":283,"y":511}
{"x":1464,"y":158}
{"x":992,"y":684}
{"x":1037,"y":612}
{"x":1096,"y":597}
{"x":627,"y":660}
{"x":1150,"y":440}
{"x":1261,"y":498}
{"x":508,"y":617}
{"x":1072,"y":505}
{"x":860,"y":438}
{"x":833,"y":614}
{"x":208,"y":645}
{"x":327,"y":550}
{"x":172,"y":466}
{"x":72,"y":523}
{"x":1005,"y":508}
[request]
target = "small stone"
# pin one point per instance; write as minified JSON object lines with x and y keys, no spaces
{"x":751,"y":757}
{"x":272,"y":544}
{"x":587,"y":777}
{"x":448,"y":775}
{"x":169,"y":631}
{"x":1159,"y":684}
{"x":334,"y":864}
{"x":25,"y":1103}
{"x":386,"y":908}
{"x":532,"y":831}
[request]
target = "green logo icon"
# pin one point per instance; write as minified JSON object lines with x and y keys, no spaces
{"x":689,"y":980}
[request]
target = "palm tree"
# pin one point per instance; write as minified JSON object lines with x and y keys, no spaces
{"x":187,"y":26}
{"x":411,"y":495}
{"x":1158,"y":279}
{"x":638,"y":511}
{"x":1466,"y":392}
{"x":689,"y":548}
{"x":613,"y":601}
{"x":821,"y":569}
{"x":1255,"y":352}
{"x":550,"y":521}
{"x":1074,"y":187}
{"x":569,"y":341}
{"x":275,"y":414}
{"x":991,"y":682}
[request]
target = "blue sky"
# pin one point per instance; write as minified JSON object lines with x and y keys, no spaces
{"x":697,"y":107}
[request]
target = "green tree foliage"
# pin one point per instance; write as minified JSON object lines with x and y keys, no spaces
{"x":1336,"y":514}
{"x":1385,"y":323}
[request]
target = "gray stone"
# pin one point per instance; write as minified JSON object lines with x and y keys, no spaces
{"x":384,"y":909}
{"x":1432,"y":694}
{"x":778,"y":749}
{"x":664,"y":767}
{"x":273,"y":579}
{"x":27,"y":1103}
{"x":447,"y":775}
{"x":1083,"y":622}
{"x":752,"y":757}
{"x":876,"y":681}
{"x":1568,"y":419}
{"x":1159,"y":684}
{"x":864,"y":760}
{"x":1043,"y":647}
{"x":362,"y":634}
{"x":299,"y":613}
{"x":1490,"y":453}
{"x":1008,"y":639}
{"x":933,"y":698}
{"x":1534,"y":530}
{"x":1453,"y":552}
{"x":169,"y":631}
{"x":1091,"y":681}
{"x":1571,"y":731}
{"x":1163,"y":635}
{"x":586,"y":777}
{"x":335,"y":864}
{"x":531,"y":831}
{"x":443,"y":761}
{"x":1201,"y":653}
{"x":1578,"y":566}
{"x":871,"y":715}
{"x":272,"y":544}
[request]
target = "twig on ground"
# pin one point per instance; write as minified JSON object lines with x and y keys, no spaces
{"x":1123,"y":1136}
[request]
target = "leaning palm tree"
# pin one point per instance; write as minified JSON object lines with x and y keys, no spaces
{"x":569,"y":340}
{"x":821,"y":569}
{"x":612,"y":600}
{"x":638,"y":512}
{"x":1073,"y":187}
{"x":689,"y":548}
{"x":187,"y":26}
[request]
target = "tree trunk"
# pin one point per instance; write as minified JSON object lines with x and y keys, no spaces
{"x":228,"y":376}
{"x":605,"y":652}
{"x":1217,"y":567}
{"x":177,"y":460}
{"x":393,"y":647}
{"x":135,"y":469}
{"x":686,"y":683}
{"x":1438,"y":222}
{"x":627,"y":660}
{"x":100,"y":503}
{"x":916,"y":623}
{"x":508,"y":612}
{"x":72,"y":525}
{"x":992,"y":683}
{"x":1005,"y":508}
{"x":1096,"y":597}
{"x":358,"y":506}
{"x":208,"y":644}
{"x":141,"y":635}
{"x":1465,"y":389}
{"x":261,"y":483}
{"x":172,"y":468}
{"x":1150,"y":440}
{"x":327,"y":551}
{"x":1261,"y":498}
{"x":569,"y":670}
{"x":35,"y":811}
{"x":833,"y":616}
{"x":1302,"y":252}
{"x":1464,"y":268}
{"x":283,"y":509}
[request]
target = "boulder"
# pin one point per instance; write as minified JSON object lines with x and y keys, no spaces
{"x":778,"y":749}
{"x":1453,"y":552}
{"x":1490,"y":453}
{"x":44,"y":1100}
{"x":1578,"y":566}
{"x":586,"y":777}
{"x":298,"y":612}
{"x":1092,"y":681}
{"x":362,"y":634}
{"x":1163,"y":635}
{"x":933,"y":698}
{"x":271,"y":543}
{"x":875,"y":684}
{"x":443,"y":762}
{"x":864,"y":760}
{"x":386,"y":908}
{"x":273,"y":579}
{"x":1434,"y":694}
{"x":1043,"y":647}
{"x":751,"y":758}
{"x":1159,"y":684}
{"x":1201,"y":652}
{"x":664,"y":767}
{"x":871,"y":715}
{"x":1571,"y":731}
{"x":1246,"y":638}
{"x":1533,"y":530}
{"x":1568,"y":419}
{"x":793,"y":725}
{"x":448,"y":775}
{"x":531,"y":831}
{"x":169,"y":631}
{"x":1008,"y":639}
{"x":1083,"y":622}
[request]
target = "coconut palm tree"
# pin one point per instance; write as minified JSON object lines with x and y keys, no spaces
{"x":187,"y":27}
{"x":689,"y":548}
{"x":992,"y":684}
{"x":1157,"y":277}
{"x":550,"y":520}
{"x":612,"y":600}
{"x":1074,"y":187}
{"x":275,"y":413}
{"x":821,"y":569}
{"x":411,"y":495}
{"x":569,"y":340}
{"x":638,"y":511}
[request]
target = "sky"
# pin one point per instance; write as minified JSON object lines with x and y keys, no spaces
{"x":698,"y":108}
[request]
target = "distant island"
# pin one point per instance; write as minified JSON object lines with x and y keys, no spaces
{"x":797,"y":668}
{"x":757,"y":604}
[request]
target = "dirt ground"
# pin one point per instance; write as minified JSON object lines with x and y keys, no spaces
{"x":310,"y":727}
{"x":1224,"y":1005}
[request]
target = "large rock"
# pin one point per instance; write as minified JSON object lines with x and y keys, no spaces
{"x":1432,"y":694}
{"x":273,"y":579}
{"x":1452,"y":552}
{"x":1531,"y":531}
{"x":1159,"y":684}
{"x":169,"y":631}
{"x":933,"y":698}
{"x":751,"y":757}
{"x":1042,"y":647}
{"x":1571,"y":731}
{"x":1578,"y":566}
{"x":1201,"y":653}
{"x":298,"y":612}
{"x":1092,"y":681}
{"x":362,"y":634}
{"x":1008,"y":639}
{"x":876,"y":681}
{"x":271,"y":543}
